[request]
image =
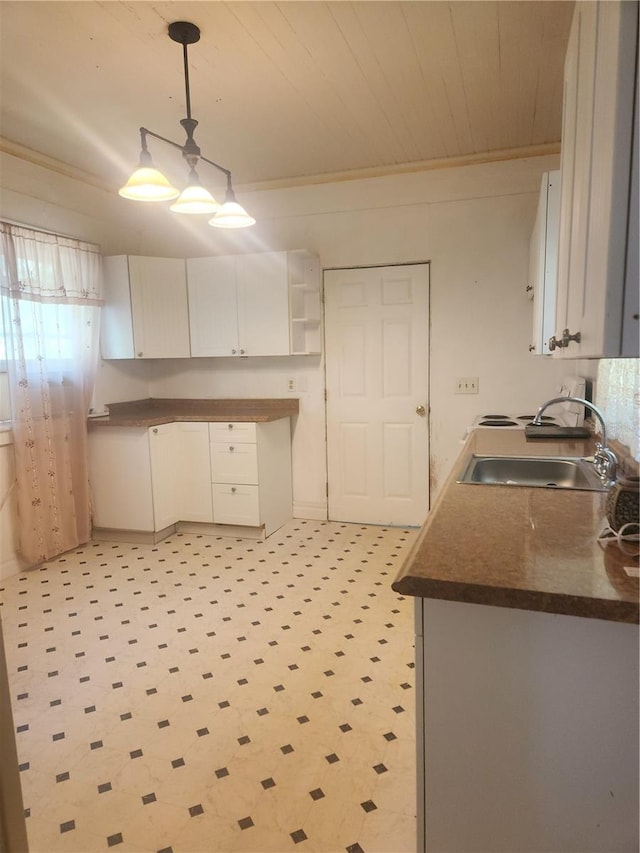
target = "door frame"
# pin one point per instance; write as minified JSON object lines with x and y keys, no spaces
{"x":429,"y":353}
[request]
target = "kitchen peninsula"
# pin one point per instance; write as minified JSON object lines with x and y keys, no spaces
{"x":157,"y":465}
{"x":527,"y":666}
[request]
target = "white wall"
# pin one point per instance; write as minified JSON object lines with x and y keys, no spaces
{"x":472,"y":223}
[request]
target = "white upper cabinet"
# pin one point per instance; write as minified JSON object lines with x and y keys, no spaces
{"x":145,"y":313}
{"x":543,"y":263}
{"x":263,"y":303}
{"x":254,"y":304}
{"x":594,"y":288}
{"x":213,"y":305}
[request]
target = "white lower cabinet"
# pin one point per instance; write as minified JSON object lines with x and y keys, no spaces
{"x":148,"y":479}
{"x":527,"y":731}
{"x":120,"y":478}
{"x":251,"y":473}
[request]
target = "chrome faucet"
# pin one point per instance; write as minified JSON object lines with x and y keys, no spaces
{"x":604,"y":459}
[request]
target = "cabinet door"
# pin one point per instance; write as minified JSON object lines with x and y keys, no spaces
{"x":263,"y":303}
{"x":116,"y":320}
{"x":120,"y":478}
{"x":213,"y":309}
{"x":159,"y":307}
{"x":166,"y":468}
{"x":596,"y":162}
{"x":193,"y":480}
{"x":543,"y":263}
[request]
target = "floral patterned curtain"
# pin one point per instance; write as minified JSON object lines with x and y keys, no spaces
{"x":50,"y":289}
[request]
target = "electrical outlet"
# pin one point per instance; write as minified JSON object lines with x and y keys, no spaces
{"x":467,"y":385}
{"x":292,"y":386}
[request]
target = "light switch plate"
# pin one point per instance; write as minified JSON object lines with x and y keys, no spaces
{"x":467,"y":385}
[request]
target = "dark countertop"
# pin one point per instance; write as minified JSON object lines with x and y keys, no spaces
{"x":154,"y":411}
{"x":520,"y":547}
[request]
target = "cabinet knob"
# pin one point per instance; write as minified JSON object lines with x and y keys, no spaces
{"x":155,"y":430}
{"x":233,"y":490}
{"x":230,"y":426}
{"x":233,"y":352}
{"x":554,"y":343}
{"x":532,"y":347}
{"x":567,"y":337}
{"x":241,"y":352}
{"x":139,"y":355}
{"x":231,"y":448}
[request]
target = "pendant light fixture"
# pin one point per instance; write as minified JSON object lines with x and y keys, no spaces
{"x":148,"y":184}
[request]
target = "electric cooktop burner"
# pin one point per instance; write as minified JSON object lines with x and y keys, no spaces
{"x":497,"y":421}
{"x":531,"y":417}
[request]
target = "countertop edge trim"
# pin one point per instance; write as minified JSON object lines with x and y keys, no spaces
{"x":564,"y":605}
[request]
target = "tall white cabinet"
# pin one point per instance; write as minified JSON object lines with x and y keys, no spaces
{"x":595,"y":295}
{"x":145,"y":313}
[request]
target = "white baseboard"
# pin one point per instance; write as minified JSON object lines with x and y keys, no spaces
{"x":311,"y":510}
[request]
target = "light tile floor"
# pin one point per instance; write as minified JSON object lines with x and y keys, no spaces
{"x":208,"y":694}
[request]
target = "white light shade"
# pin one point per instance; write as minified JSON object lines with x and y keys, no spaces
{"x":148,"y":184}
{"x":232,"y":215}
{"x":195,"y":199}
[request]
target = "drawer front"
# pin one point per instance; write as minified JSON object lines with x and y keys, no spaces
{"x":236,"y":504}
{"x":234,"y":463}
{"x":238,"y":431}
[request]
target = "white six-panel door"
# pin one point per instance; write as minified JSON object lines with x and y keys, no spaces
{"x":377,"y":363}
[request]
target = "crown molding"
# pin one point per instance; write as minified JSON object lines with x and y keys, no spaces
{"x":36,"y":158}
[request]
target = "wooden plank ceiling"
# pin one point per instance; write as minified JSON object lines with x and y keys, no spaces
{"x":286,"y":92}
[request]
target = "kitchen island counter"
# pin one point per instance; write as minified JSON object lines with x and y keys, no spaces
{"x":521,"y":547}
{"x":154,"y":411}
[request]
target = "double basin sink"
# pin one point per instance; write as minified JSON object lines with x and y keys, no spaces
{"x":551,"y":472}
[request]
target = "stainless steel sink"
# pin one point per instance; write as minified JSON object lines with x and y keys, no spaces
{"x":551,"y":472}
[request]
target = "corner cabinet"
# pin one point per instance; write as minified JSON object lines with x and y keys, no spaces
{"x":145,"y":313}
{"x":146,"y":481}
{"x":597,"y":308}
{"x":262,"y":304}
{"x":543,"y":263}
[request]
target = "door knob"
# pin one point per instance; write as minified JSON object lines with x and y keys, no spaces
{"x":420,"y":410}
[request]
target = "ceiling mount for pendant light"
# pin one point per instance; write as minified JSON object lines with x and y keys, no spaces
{"x":149,"y":184}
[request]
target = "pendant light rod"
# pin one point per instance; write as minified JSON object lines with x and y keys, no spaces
{"x":185,"y":33}
{"x":148,"y":184}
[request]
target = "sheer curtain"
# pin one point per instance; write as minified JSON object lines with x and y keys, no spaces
{"x":618,"y":395}
{"x":50,"y":288}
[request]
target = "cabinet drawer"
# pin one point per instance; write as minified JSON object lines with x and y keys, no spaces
{"x":236,"y":504}
{"x":240,"y":431}
{"x":234,"y":463}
